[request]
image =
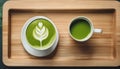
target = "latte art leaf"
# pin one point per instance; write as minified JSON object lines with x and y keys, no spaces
{"x":40,"y":32}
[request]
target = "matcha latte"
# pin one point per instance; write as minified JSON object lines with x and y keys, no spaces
{"x":39,"y":36}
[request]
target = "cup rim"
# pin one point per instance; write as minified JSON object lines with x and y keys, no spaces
{"x":23,"y":36}
{"x":91,"y":26}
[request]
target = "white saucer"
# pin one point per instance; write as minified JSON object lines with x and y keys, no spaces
{"x":31,"y":50}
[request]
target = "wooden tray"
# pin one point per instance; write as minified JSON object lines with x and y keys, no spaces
{"x":101,"y":50}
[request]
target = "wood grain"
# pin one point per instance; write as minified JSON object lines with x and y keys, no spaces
{"x":100,"y":50}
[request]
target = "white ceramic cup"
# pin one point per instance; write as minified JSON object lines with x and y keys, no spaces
{"x":93,"y":30}
{"x":34,"y":51}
